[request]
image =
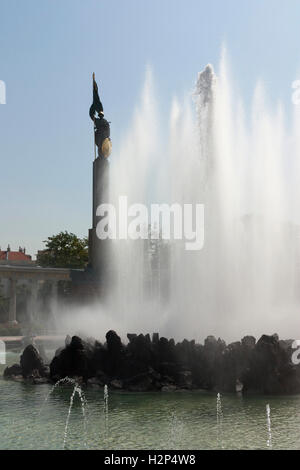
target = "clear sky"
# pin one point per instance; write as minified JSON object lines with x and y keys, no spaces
{"x":48,"y":51}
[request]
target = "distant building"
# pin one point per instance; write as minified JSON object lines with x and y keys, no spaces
{"x":15,"y":258}
{"x":27,"y":291}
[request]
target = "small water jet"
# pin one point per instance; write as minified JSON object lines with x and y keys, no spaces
{"x":105,"y":398}
{"x":105,"y":406}
{"x":83,"y":409}
{"x":268,"y":412}
{"x":68,"y":416}
{"x":77,"y":389}
{"x":176,"y":431}
{"x":220,"y":420}
{"x":59,"y":382}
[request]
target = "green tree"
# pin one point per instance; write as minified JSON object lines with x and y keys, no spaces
{"x":64,"y":250}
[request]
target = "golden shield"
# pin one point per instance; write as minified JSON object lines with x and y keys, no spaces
{"x":106,"y":147}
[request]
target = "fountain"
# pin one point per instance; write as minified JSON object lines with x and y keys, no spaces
{"x":245,"y":171}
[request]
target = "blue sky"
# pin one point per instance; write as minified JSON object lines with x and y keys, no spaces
{"x":48,"y":51}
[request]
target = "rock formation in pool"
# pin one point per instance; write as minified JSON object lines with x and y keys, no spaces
{"x":159,"y":364}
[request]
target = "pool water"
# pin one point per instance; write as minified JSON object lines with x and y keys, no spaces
{"x":177,"y":420}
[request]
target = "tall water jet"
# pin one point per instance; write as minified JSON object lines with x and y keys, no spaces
{"x":235,"y":162}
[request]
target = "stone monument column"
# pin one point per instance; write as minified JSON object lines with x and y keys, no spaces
{"x":98,"y":249}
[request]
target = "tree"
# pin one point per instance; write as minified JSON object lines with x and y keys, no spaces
{"x":64,"y":250}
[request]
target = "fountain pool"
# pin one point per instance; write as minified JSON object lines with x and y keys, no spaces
{"x":143,"y":421}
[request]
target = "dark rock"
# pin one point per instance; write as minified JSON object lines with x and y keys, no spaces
{"x":32,"y":363}
{"x":140,"y":383}
{"x":140,"y":354}
{"x":97,"y":360}
{"x":58,"y":351}
{"x":131,"y":336}
{"x":143,"y":365}
{"x":72,"y":361}
{"x":210,"y":342}
{"x":147,"y":338}
{"x":169,"y":388}
{"x":40,"y":380}
{"x":185,"y":379}
{"x":76,"y":343}
{"x":168,"y":369}
{"x":270,"y":370}
{"x":155,"y":338}
{"x":248,"y":342}
{"x":40,"y":347}
{"x":12,"y":371}
{"x":115,"y":354}
{"x":94,"y":381}
{"x":116,"y":384}
{"x":286,"y":344}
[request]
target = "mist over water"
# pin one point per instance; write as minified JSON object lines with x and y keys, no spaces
{"x":244,"y":166}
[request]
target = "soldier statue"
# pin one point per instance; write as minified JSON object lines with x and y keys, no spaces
{"x":101,"y":125}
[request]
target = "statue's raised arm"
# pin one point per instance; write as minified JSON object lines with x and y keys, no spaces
{"x":101,"y":125}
